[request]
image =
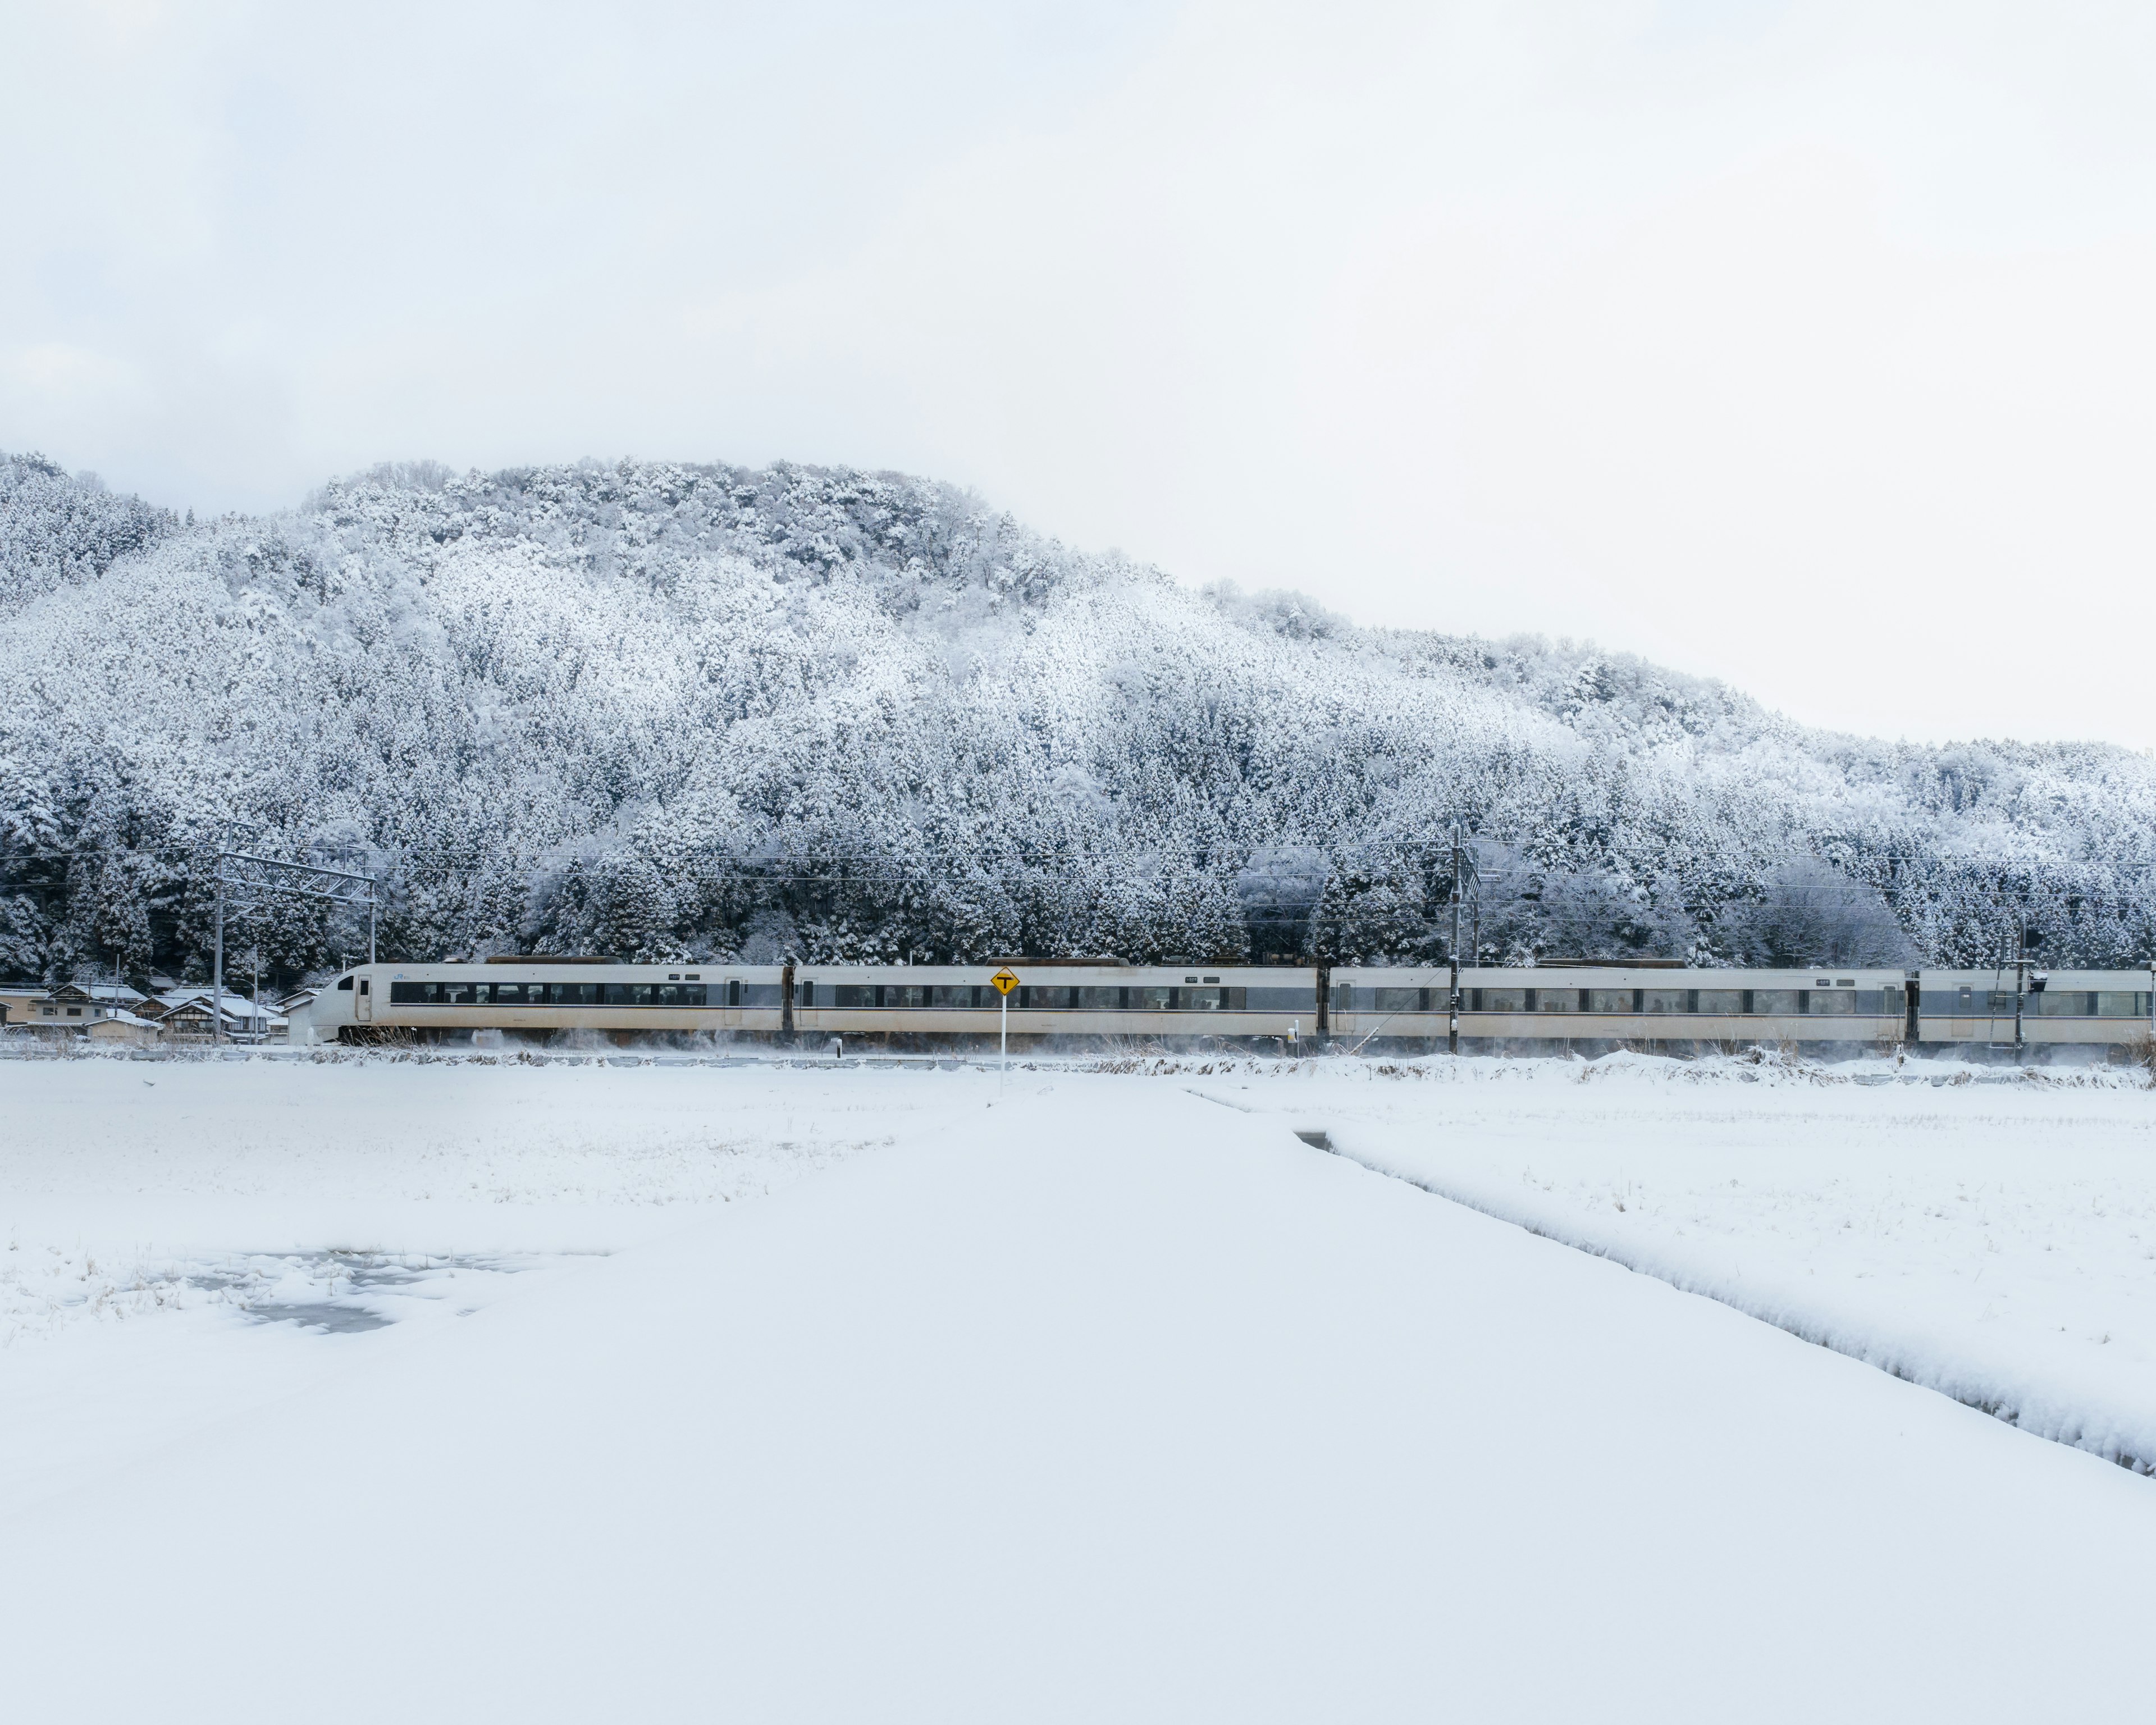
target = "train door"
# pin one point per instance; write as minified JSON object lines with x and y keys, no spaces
{"x":362,"y":999}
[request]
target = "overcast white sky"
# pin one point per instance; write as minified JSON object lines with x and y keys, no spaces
{"x":1808,"y":347}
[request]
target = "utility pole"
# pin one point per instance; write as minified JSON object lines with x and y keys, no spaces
{"x":217,"y":971}
{"x":1467,"y":878}
{"x":1452,"y":1033}
{"x":251,"y":881}
{"x":2020,"y":980}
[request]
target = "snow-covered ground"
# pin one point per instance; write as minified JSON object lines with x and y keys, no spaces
{"x":1993,"y":1240}
{"x":177,"y":1237}
{"x":336,"y":1390}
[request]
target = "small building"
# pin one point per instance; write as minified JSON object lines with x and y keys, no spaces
{"x":125,"y":1029}
{"x":186,"y":1015}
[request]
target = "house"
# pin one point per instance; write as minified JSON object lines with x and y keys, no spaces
{"x":104,"y":1012}
{"x":186,"y":1015}
{"x":18,"y":1001}
{"x":75,"y":1006}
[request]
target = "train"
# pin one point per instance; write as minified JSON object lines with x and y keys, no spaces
{"x":1078,"y":1001}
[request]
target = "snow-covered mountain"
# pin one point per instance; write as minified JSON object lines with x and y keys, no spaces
{"x":661,"y":710}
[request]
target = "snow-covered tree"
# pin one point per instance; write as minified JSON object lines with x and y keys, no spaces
{"x":678,"y":711}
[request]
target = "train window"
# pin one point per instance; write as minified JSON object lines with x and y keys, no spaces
{"x":1504,"y":999}
{"x":1049,"y":998}
{"x":411,"y":993}
{"x":2064,"y":1003}
{"x":1720,"y":1000}
{"x":345,"y":984}
{"x":1668,"y":1000}
{"x":2002,"y":1000}
{"x":1610,"y":1000}
{"x":2109,"y":1005}
{"x":1557,"y":999}
{"x":805,"y":994}
{"x":1100,"y":999}
{"x":906,"y":996}
{"x":956,"y":995}
{"x":1343,"y":997}
{"x":1832,"y":1003}
{"x":626,"y":994}
{"x":853,"y":996}
{"x":733,"y":991}
{"x":1398,"y":1000}
{"x":1152,"y":999}
{"x":1775,"y":1002}
{"x":1204,"y":999}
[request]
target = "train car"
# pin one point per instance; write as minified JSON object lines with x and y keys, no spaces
{"x":1615,"y":1003}
{"x":1056,"y":1000}
{"x":542,"y":995}
{"x":2069,"y":1006}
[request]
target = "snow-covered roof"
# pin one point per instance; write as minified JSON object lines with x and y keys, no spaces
{"x":100,"y":991}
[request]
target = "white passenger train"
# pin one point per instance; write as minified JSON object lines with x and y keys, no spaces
{"x":1079,"y":1002}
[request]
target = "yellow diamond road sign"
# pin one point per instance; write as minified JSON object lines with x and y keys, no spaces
{"x":1005,"y":980}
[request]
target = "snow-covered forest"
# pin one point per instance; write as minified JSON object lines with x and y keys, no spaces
{"x":664,"y":710}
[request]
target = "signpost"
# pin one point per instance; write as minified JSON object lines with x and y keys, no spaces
{"x":1003,"y":981}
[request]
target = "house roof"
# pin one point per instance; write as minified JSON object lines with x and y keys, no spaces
{"x":98,"y":991}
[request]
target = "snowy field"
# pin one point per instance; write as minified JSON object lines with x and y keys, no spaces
{"x":1993,"y":1240}
{"x":335,"y":1390}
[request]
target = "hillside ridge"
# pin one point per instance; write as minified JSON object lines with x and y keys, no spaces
{"x":677,"y":710}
